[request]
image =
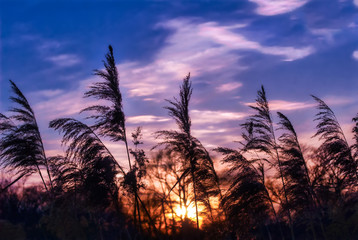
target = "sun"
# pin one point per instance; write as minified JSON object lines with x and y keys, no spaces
{"x":190,"y":211}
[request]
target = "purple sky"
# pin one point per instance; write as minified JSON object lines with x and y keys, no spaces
{"x":293,"y":47}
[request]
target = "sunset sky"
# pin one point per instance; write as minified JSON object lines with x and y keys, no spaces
{"x":293,"y":47}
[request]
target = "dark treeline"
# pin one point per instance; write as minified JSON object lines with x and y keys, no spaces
{"x":269,"y":187}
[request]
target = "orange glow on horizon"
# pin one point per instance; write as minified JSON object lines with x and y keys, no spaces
{"x":190,"y":212}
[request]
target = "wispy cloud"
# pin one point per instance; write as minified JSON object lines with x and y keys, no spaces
{"x":201,"y":55}
{"x":208,"y":116}
{"x":146,"y":119}
{"x":210,"y":51}
{"x":289,"y":106}
{"x":234,"y":40}
{"x":227,"y":87}
{"x":64,"y":60}
{"x":213,"y":136}
{"x":65,"y":105}
{"x":355,"y":55}
{"x":47,"y":93}
{"x":338,"y":100}
{"x":51,"y":104}
{"x":282,"y":105}
{"x":275,"y":7}
{"x":326,"y":34}
{"x":48,"y":45}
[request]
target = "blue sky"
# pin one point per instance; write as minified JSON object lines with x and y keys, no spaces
{"x":293,"y":47}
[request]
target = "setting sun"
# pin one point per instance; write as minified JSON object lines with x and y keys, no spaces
{"x":189,"y":211}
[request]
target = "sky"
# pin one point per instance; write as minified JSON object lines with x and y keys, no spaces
{"x":294,"y":48}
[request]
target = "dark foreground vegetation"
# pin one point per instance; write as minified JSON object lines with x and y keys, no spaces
{"x":270,"y":187}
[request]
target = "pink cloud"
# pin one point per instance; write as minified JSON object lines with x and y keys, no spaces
{"x":355,"y":55}
{"x":232,"y":40}
{"x":64,"y":60}
{"x":209,"y":51}
{"x":325,"y":33}
{"x":146,"y":119}
{"x":282,"y":105}
{"x":275,"y":7}
{"x":337,"y":100}
{"x":289,"y":106}
{"x":227,"y":87}
{"x":207,"y":116}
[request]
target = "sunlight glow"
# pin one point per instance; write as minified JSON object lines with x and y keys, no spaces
{"x":191,"y":213}
{"x":179,"y":212}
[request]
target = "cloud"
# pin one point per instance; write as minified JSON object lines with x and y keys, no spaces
{"x":213,"y":136}
{"x":208,"y":116}
{"x":227,"y":87}
{"x":282,"y":105}
{"x":290,"y":53}
{"x":47,"y":93}
{"x":355,"y":2}
{"x":325,"y":33}
{"x":209,"y":131}
{"x":47,"y":45}
{"x":337,"y":100}
{"x":146,"y":119}
{"x":232,"y":40}
{"x":210,"y":51}
{"x":199,"y":56}
{"x":64,"y":60}
{"x":64,"y":105}
{"x":355,"y":55}
{"x":53,"y":104}
{"x":275,"y":7}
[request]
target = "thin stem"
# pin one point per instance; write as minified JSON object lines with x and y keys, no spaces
{"x":43,"y":181}
{"x":43,"y":153}
{"x":13,"y":182}
{"x":196,"y":202}
{"x":281,"y":176}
